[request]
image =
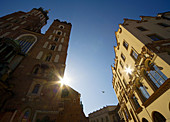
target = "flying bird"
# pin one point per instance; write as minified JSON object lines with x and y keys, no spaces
{"x":103,"y":91}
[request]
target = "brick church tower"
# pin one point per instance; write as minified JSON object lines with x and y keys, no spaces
{"x":31,"y":66}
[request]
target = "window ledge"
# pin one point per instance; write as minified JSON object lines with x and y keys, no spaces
{"x":138,"y":110}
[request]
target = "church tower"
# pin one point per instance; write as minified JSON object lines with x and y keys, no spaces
{"x":33,"y":83}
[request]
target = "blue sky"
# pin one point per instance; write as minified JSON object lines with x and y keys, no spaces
{"x":90,"y":53}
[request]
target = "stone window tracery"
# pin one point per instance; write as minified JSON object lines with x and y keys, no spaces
{"x":25,"y":115}
{"x":26,"y":41}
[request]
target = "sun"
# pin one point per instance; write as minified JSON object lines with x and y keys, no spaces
{"x":128,"y":70}
{"x":64,"y":81}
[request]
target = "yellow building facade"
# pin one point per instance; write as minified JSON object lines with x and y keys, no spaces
{"x":141,"y":72}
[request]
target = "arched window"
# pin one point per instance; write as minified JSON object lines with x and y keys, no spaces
{"x":62,"y":40}
{"x":45,"y":45}
{"x":157,"y":117}
{"x":144,"y":120}
{"x":48,"y":57}
{"x":50,"y":37}
{"x":6,"y":53}
{"x":56,"y":58}
{"x":61,"y":26}
{"x":58,"y":32}
{"x":5,"y":34}
{"x":26,"y":41}
{"x":35,"y":71}
{"x":60,"y":47}
{"x":39,"y":55}
{"x":6,"y":25}
{"x":9,"y":18}
{"x":16,"y":27}
{"x":26,"y":115}
{"x":56,"y":39}
{"x":23,"y":22}
{"x":53,"y":47}
{"x":14,"y":20}
{"x":36,"y":88}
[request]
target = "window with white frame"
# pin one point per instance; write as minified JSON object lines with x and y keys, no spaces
{"x":125,"y":44}
{"x":123,"y":57}
{"x":134,"y":54}
{"x":157,"y":76}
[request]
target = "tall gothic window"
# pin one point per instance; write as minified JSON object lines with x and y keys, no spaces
{"x":48,"y":57}
{"x":6,"y":52}
{"x":26,"y":115}
{"x":56,"y":39}
{"x":6,"y":25}
{"x":53,"y":47}
{"x":35,"y":71}
{"x":26,"y":42}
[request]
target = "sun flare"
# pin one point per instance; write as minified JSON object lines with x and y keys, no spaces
{"x":64,"y":81}
{"x":128,"y":70}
